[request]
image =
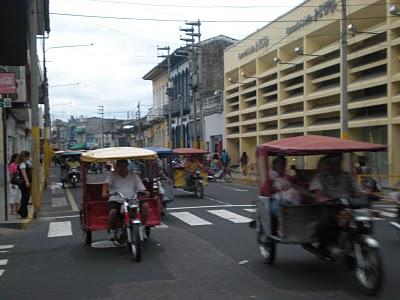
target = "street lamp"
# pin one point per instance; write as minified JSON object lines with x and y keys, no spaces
{"x":394,"y":10}
{"x":247,"y":76}
{"x":279,"y":62}
{"x":353,"y":30}
{"x":299,"y":51}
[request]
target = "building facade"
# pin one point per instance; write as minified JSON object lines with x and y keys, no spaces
{"x":181,"y":95}
{"x":284,"y":79}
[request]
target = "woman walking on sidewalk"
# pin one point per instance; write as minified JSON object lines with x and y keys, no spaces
{"x":24,"y":186}
{"x":15,"y":193}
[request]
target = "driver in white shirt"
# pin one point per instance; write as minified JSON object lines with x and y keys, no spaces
{"x":124,"y":182}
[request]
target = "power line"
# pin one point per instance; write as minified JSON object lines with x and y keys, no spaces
{"x":227,"y":6}
{"x":212,"y":21}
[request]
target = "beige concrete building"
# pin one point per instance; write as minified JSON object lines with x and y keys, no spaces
{"x":273,"y":91}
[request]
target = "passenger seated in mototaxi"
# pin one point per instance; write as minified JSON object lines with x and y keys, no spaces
{"x":282,"y":190}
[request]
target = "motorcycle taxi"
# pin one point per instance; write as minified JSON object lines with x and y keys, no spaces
{"x":198,"y":177}
{"x":70,"y":168}
{"x":353,"y":243}
{"x":163,"y":180}
{"x":137,"y":216}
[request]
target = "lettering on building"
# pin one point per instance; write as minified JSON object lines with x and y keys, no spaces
{"x":261,"y":43}
{"x":327,"y":7}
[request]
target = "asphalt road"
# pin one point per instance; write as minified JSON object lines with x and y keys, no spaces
{"x":204,"y":250}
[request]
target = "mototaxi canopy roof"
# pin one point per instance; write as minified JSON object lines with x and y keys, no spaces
{"x":71,"y":153}
{"x":183,"y":151}
{"x":116,"y":153}
{"x":161,"y":151}
{"x":314,"y":145}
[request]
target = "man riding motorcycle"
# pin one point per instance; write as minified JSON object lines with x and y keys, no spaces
{"x":191,"y":166}
{"x":332,"y":183}
{"x":124,"y":182}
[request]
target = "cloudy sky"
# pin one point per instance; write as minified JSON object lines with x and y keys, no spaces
{"x":110,"y":72}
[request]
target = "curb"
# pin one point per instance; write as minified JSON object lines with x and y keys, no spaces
{"x":19,"y":223}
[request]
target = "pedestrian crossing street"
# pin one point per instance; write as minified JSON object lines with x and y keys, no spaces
{"x":4,"y":250}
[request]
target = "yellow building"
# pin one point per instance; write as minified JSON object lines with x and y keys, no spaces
{"x":273,"y":90}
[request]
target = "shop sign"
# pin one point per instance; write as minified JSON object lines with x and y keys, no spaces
{"x":327,"y":7}
{"x":261,"y":43}
{"x":8,"y":83}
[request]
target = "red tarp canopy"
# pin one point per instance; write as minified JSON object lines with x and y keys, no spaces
{"x":189,"y":151}
{"x":315,"y":144}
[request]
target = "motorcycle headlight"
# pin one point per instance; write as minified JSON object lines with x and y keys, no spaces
{"x":198,"y":172}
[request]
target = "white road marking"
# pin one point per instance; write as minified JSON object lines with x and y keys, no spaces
{"x":210,"y":206}
{"x":1,"y":272}
{"x":250,"y":210}
{"x":397,"y":225}
{"x":4,"y":247}
{"x":59,"y":202}
{"x":104,"y":245}
{"x":59,"y":217}
{"x":190,"y":219}
{"x":72,"y":201}
{"x":386,"y":214}
{"x":57,"y":229}
{"x":162,"y":226}
{"x":3,"y":262}
{"x":4,"y":251}
{"x":218,"y":201}
{"x":234,"y":189}
{"x":231,"y":216}
{"x":57,"y":191}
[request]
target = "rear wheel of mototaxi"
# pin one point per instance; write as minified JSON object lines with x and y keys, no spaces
{"x":135,"y":245}
{"x":87,"y":233}
{"x":266,"y":246}
{"x":370,"y":276}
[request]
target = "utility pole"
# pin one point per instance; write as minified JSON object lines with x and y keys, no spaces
{"x":195,"y":75}
{"x":34,"y":92}
{"x":343,"y":74}
{"x":140,"y":127}
{"x":181,"y":140}
{"x":101,"y":112}
{"x":169,"y":92}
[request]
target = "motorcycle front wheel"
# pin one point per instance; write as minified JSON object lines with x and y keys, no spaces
{"x":135,"y":245}
{"x":370,"y":276}
{"x":266,"y":247}
{"x":199,"y":190}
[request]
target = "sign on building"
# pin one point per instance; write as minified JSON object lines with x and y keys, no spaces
{"x":8,"y":83}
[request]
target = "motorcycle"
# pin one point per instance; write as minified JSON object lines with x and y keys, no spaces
{"x":223,"y":174}
{"x":74,"y":176}
{"x":130,"y":234}
{"x":196,"y":184}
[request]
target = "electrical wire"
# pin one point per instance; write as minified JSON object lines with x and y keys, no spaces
{"x":212,"y":21}
{"x":227,"y":6}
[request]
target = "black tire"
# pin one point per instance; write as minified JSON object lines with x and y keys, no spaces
{"x":74,"y":183}
{"x":370,"y":279}
{"x":147,"y":231}
{"x":266,"y":246}
{"x":88,"y":237}
{"x":135,"y":246}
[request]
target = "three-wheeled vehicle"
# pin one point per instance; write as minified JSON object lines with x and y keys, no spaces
{"x":69,"y":168}
{"x":137,"y":216}
{"x":164,"y":181}
{"x":198,"y":177}
{"x":352,"y":242}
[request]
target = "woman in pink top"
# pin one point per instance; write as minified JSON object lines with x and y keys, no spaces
{"x":14,"y":192}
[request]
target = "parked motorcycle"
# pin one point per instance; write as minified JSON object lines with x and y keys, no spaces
{"x":74,"y":176}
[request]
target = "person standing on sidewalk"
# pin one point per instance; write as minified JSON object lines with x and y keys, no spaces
{"x":14,"y":192}
{"x":225,"y":159}
{"x":25,"y":185}
{"x":244,"y":160}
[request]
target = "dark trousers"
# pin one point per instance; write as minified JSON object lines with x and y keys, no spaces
{"x":25,"y":195}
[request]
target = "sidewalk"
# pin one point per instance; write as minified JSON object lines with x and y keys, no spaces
{"x":14,"y":221}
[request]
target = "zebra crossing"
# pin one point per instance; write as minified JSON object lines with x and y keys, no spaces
{"x":240,"y":215}
{"x":4,"y":249}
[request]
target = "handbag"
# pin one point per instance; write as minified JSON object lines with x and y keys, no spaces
{"x":16,"y":179}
